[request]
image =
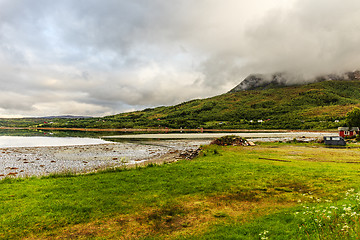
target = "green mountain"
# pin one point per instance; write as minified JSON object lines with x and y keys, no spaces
{"x":320,"y":105}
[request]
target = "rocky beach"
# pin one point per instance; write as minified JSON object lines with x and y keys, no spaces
{"x":40,"y":161}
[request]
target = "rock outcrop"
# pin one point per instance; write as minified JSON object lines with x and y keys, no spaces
{"x":260,"y":81}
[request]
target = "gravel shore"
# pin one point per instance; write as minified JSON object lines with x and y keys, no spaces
{"x":38,"y":161}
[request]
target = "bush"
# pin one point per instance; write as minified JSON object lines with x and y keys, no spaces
{"x":357,"y":137}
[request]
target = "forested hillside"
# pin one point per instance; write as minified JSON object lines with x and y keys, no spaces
{"x":320,"y":105}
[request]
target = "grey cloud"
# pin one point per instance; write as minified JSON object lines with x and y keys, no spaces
{"x":12,"y":101}
{"x":308,"y":39}
{"x":110,"y":56}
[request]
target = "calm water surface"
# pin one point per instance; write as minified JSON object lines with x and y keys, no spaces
{"x":15,"y":141}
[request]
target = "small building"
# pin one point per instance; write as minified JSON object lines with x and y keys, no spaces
{"x":339,"y":141}
{"x":348,"y":132}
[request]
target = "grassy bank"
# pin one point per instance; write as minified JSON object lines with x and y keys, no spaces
{"x":275,"y":191}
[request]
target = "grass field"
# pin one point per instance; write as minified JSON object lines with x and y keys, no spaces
{"x":270,"y":191}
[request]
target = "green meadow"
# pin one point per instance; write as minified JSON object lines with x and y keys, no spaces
{"x":268,"y":191}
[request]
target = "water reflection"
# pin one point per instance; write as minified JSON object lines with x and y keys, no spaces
{"x":20,"y":141}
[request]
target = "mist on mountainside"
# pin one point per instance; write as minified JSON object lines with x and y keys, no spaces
{"x":265,"y":81}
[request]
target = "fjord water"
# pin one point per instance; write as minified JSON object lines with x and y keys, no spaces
{"x":21,"y":141}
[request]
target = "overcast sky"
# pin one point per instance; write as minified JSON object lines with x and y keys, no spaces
{"x":102,"y":57}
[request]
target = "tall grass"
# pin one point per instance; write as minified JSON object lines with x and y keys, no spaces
{"x":339,"y":220}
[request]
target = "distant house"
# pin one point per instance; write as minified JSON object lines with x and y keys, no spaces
{"x":348,"y":132}
{"x":339,"y":141}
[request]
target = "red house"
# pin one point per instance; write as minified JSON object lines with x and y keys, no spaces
{"x":348,"y":132}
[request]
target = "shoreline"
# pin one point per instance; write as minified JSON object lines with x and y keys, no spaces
{"x":158,"y":148}
{"x":162,"y":130}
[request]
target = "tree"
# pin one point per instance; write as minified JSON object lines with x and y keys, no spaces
{"x":353,"y":118}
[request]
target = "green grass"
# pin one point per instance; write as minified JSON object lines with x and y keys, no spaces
{"x":227,"y":193}
{"x":323,"y":220}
